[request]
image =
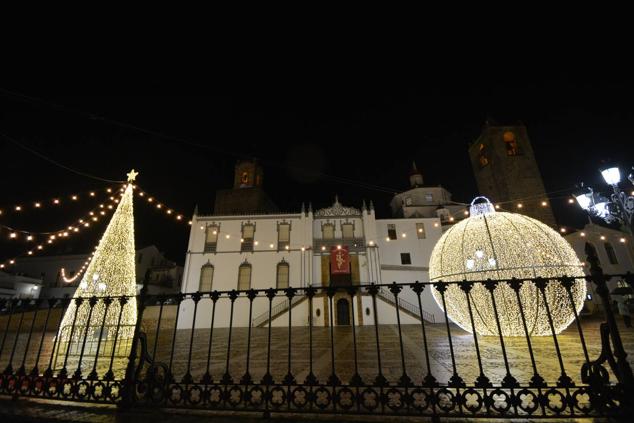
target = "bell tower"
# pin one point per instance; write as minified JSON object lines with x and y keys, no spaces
{"x":415,"y":177}
{"x":506,"y":171}
{"x":248,"y":174}
{"x":247,"y":195}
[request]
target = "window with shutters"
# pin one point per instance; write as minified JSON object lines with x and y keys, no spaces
{"x":282,"y":275}
{"x":283,"y":236}
{"x":391,"y":231}
{"x":420,"y":230}
{"x":248,"y":232}
{"x":244,"y":277}
{"x":328,"y":231}
{"x":206,"y":278}
{"x":211,"y":238}
{"x":348,"y":230}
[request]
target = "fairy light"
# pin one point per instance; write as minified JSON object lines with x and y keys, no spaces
{"x":323,"y":248}
{"x":602,"y":237}
{"x":74,"y":198}
{"x":499,"y":245}
{"x":56,"y":201}
{"x":403,"y":235}
{"x":111,"y":272}
{"x":562,"y":230}
{"x":622,"y":240}
{"x":18,"y":208}
{"x":520,"y":205}
{"x":29,"y":237}
{"x":571,"y":201}
{"x":583,"y":234}
{"x":544,"y":204}
{"x":13,"y":235}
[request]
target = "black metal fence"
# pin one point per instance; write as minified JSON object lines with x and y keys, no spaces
{"x":416,"y":369}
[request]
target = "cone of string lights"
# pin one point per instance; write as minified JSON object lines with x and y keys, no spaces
{"x":500,"y":246}
{"x":110,"y":273}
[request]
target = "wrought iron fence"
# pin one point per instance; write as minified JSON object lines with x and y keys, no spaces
{"x":376,"y":365}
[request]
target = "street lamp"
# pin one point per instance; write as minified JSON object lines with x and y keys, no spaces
{"x":619,"y":208}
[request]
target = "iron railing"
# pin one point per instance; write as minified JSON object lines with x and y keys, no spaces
{"x":189,"y":351}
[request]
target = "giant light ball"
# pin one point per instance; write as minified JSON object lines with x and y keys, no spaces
{"x":500,"y":245}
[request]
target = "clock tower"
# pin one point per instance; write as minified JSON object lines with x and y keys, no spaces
{"x":247,"y":195}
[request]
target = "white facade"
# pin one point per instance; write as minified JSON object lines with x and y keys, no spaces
{"x":614,"y":250}
{"x":54,"y":282}
{"x":216,"y":247}
{"x":16,"y":286}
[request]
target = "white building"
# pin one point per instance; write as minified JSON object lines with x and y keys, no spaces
{"x":18,"y":286}
{"x":422,"y":201}
{"x":614,"y":250}
{"x":262,"y":250}
{"x":60,"y":279}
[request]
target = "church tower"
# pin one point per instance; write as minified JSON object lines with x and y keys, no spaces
{"x":415,"y":177}
{"x":506,"y":171}
{"x":247,"y":195}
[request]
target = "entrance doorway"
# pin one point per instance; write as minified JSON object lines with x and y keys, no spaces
{"x":343,"y":312}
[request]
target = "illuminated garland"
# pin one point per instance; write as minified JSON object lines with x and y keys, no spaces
{"x":92,"y":216}
{"x":55,"y":201}
{"x":499,"y":245}
{"x":111,"y":272}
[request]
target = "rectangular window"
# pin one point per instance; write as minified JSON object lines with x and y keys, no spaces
{"x":246,"y":243}
{"x":348,"y":230}
{"x":328,"y":231}
{"x":282,"y":275}
{"x":283,"y":236}
{"x":420,"y":230}
{"x":244,"y":277}
{"x":406,"y":258}
{"x":211,"y":238}
{"x":391,"y":231}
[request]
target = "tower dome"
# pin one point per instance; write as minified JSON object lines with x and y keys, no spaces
{"x":499,"y":245}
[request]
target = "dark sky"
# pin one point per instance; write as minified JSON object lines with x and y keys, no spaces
{"x":314,"y":143}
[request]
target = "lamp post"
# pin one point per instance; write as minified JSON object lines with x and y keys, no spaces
{"x":618,"y":208}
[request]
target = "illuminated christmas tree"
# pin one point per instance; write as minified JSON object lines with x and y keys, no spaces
{"x":110,"y":273}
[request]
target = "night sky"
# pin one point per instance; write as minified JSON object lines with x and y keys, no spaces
{"x":358,"y":143}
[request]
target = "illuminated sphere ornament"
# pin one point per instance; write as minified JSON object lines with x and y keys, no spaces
{"x":498,"y":245}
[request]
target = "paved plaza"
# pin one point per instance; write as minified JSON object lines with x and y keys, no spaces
{"x":391,"y":365}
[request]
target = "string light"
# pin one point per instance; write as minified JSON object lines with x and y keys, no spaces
{"x":544,"y":204}
{"x":511,"y":245}
{"x":622,"y":240}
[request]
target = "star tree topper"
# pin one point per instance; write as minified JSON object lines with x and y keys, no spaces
{"x":132,"y":175}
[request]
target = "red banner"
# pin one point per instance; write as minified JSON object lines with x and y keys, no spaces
{"x":339,"y":260}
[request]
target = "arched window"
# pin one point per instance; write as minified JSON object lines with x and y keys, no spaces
{"x":609,"y":250}
{"x":511,"y":144}
{"x":244,"y":277}
{"x":282,"y":274}
{"x":206,"y":278}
